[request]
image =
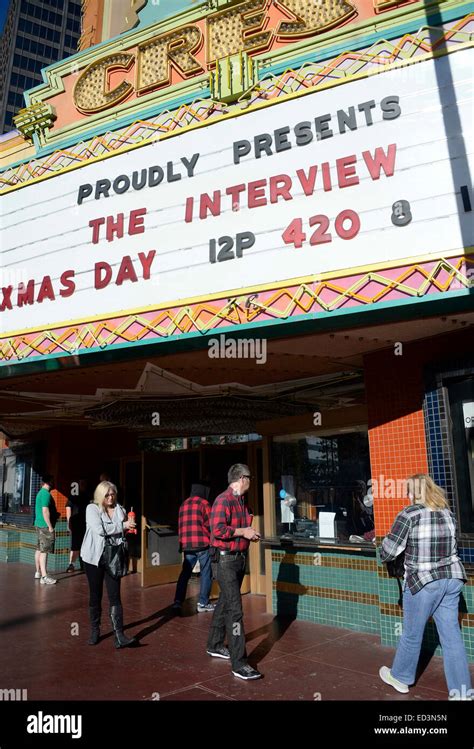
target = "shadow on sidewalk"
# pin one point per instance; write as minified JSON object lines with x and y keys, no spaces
{"x":159,"y":618}
{"x":288,"y":591}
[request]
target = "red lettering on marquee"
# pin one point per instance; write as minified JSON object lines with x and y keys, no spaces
{"x":381,"y":160}
{"x":46,"y":290}
{"x":346,"y":174}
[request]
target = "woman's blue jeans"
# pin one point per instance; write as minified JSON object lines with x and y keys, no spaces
{"x":189,"y":563}
{"x":439,"y":599}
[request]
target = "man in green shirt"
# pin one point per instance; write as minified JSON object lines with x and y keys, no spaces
{"x":45,"y":531}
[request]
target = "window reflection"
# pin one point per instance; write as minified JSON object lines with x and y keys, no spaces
{"x":321,"y":486}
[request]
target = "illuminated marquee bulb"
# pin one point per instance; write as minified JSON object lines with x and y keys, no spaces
{"x":155,"y":56}
{"x":91,"y":92}
{"x":312,"y":15}
{"x":229,"y":31}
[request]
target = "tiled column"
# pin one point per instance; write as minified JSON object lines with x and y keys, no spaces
{"x":394,"y":391}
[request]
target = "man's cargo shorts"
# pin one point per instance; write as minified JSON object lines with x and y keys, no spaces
{"x":45,"y":540}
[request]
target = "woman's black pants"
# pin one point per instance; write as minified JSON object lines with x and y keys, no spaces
{"x":95,"y":577}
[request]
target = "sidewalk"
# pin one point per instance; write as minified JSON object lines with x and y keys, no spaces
{"x":42,"y":652}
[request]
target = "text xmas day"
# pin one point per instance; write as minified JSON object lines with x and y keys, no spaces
{"x":324,"y":176}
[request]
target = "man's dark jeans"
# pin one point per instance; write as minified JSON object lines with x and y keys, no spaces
{"x":228,"y":615}
{"x":190,"y":559}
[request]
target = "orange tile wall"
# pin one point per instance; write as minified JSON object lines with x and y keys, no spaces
{"x":395,"y":388}
{"x":394,"y":391}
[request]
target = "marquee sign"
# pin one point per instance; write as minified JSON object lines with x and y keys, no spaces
{"x":127,"y":71}
{"x":353,"y":176}
{"x":242,"y":27}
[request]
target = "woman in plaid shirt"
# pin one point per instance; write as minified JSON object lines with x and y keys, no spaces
{"x":434,"y":577}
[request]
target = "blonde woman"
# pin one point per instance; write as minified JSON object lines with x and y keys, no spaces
{"x":434,"y":577}
{"x":104,"y":517}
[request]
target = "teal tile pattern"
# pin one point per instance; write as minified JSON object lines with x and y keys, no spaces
{"x":352,"y":592}
{"x":19,"y":545}
{"x":339,"y":591}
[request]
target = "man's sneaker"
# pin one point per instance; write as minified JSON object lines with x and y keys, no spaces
{"x":247,"y":672}
{"x":206,"y":607}
{"x":177,"y":606}
{"x":37,"y":575}
{"x":220,"y":653}
{"x":386,"y":676}
{"x":48,"y":580}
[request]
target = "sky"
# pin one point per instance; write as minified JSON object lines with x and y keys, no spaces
{"x":3,"y":12}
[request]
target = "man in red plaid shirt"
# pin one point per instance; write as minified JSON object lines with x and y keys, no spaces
{"x":194,"y":540}
{"x":231,"y":534}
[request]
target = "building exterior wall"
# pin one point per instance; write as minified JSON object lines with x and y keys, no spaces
{"x":35,"y":35}
{"x":406,"y":410}
{"x":396,"y":426}
{"x":356,"y":592}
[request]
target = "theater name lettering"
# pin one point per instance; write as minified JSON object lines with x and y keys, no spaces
{"x":245,"y":26}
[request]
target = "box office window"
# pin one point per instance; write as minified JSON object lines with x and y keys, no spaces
{"x":21,"y":467}
{"x":320,"y":485}
{"x":19,"y":483}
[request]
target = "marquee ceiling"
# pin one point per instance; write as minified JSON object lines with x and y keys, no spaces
{"x":322,"y":370}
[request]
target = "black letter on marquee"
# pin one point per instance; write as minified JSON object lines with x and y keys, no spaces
{"x":84,"y":192}
{"x":281,"y":139}
{"x":365,"y":107}
{"x":263,"y":142}
{"x":102,"y":187}
{"x":304,"y":134}
{"x":126,"y":184}
{"x":241,"y":148}
{"x":322,"y":127}
{"x":390,"y":107}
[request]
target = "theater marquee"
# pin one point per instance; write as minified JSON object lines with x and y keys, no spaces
{"x":243,"y":27}
{"x":148,"y":65}
{"x":353,"y":176}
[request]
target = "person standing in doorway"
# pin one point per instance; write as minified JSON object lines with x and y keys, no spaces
{"x":194,"y":540}
{"x":231,"y":534}
{"x":434,"y":578}
{"x":44,"y":522}
{"x":76,"y":519}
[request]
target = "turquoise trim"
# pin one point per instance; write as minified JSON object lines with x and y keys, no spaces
{"x":152,"y":13}
{"x":151,"y":111}
{"x":14,"y":164}
{"x":442,"y":16}
{"x":381,"y":313}
{"x":313,"y":56}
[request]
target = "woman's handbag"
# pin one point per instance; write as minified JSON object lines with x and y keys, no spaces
{"x":396,"y":567}
{"x":114,"y":557}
